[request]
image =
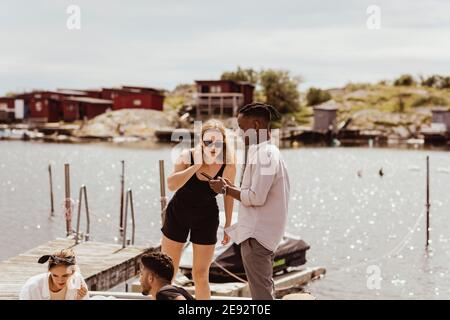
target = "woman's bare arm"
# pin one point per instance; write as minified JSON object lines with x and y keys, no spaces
{"x":183,"y":171}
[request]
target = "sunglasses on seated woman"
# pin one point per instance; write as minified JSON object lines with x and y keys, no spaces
{"x":210,"y":143}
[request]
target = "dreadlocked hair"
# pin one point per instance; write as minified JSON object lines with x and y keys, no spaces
{"x":262,"y":110}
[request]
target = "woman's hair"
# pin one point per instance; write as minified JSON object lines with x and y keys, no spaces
{"x":217,"y":125}
{"x":62,"y":257}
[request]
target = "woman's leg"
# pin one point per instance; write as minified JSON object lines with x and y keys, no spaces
{"x":174,"y":250}
{"x":203,"y":255}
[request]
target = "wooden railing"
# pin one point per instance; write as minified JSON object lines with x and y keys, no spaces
{"x":218,"y":104}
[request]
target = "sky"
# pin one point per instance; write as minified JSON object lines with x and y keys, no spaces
{"x":165,"y":43}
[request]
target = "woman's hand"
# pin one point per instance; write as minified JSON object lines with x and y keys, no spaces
{"x":81,"y":293}
{"x":198,"y":156}
{"x":226,"y":238}
{"x":217,"y":184}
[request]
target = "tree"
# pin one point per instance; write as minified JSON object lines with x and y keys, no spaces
{"x":247,"y":75}
{"x":316,"y":96}
{"x":276,"y":87}
{"x":435,"y":81}
{"x":280,"y":89}
{"x":405,"y":80}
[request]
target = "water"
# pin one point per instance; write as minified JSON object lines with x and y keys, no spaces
{"x":368,"y":231}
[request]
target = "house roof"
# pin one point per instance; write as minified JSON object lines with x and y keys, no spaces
{"x":329,"y":105}
{"x":221,"y":81}
{"x":71,"y":92}
{"x":440,"y":109}
{"x":89,"y":100}
{"x":144,"y":88}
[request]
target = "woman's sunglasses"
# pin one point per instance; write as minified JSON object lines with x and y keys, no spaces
{"x":210,"y":143}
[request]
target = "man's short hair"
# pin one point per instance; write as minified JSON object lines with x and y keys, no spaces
{"x":160,"y":264}
{"x":260,"y":110}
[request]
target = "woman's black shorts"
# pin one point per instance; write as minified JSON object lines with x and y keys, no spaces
{"x":201,"y":222}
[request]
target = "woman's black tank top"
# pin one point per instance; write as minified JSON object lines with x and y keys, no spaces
{"x":197,"y":193}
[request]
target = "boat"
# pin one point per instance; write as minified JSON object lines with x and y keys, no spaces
{"x":125,"y":139}
{"x":227,"y":264}
{"x":173,"y":134}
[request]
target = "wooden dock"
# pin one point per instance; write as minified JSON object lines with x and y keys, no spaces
{"x":102,"y":265}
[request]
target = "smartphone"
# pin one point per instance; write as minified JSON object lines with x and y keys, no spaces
{"x":207,"y":176}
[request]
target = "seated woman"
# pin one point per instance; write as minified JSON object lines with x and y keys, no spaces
{"x":63,"y":280}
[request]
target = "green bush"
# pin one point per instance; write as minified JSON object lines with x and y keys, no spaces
{"x":276,"y":87}
{"x":281,"y":89}
{"x":405,"y":80}
{"x":316,"y":96}
{"x":241,"y":74}
{"x":429,"y":101}
{"x":435,"y":81}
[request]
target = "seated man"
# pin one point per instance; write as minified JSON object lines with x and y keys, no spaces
{"x":156,"y":277}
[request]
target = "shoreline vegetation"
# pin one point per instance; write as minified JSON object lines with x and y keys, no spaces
{"x":396,"y":110}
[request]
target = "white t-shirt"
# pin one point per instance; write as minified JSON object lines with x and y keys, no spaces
{"x":37,"y":288}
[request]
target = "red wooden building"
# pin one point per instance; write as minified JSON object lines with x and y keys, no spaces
{"x":93,"y":93}
{"x":26,"y":97}
{"x":79,"y":108}
{"x":221,"y":97}
{"x":45,"y":106}
{"x":111,"y":93}
{"x":132,"y":97}
{"x":139,"y":101}
{"x":7,"y":109}
{"x":71,"y":105}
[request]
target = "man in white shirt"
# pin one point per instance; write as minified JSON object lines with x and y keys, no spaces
{"x":263,"y":196}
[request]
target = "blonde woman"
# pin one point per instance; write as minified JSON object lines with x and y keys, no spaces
{"x":193,"y":209}
{"x":62,"y":281}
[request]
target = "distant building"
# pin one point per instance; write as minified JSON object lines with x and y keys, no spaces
{"x":325,"y":117}
{"x":130,"y":97}
{"x":93,"y":93}
{"x":143,"y":89}
{"x":221,"y":98}
{"x":77,"y":104}
{"x":26,"y":101}
{"x":7,"y":109}
{"x":140,"y":98}
{"x":441,"y":117}
{"x":80,"y":108}
{"x":45,"y":106}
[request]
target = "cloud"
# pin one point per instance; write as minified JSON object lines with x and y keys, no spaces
{"x":163,"y":43}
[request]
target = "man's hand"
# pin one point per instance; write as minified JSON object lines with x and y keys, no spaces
{"x":217,"y":184}
{"x":229,"y":183}
{"x":226,"y":238}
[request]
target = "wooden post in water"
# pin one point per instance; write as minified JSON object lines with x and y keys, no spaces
{"x":67,"y":200}
{"x":52,"y":205}
{"x":83,"y":193}
{"x":122,"y":194}
{"x":162,"y":187}
{"x":428,"y":201}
